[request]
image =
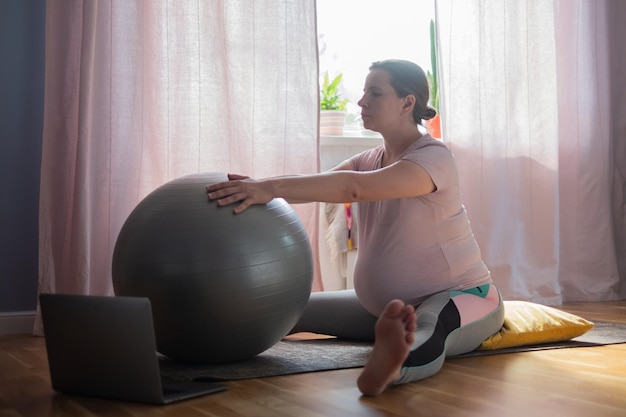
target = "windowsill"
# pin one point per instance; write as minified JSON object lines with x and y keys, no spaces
{"x":336,"y":149}
{"x":350,"y":140}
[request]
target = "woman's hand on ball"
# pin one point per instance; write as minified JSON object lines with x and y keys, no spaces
{"x":240,"y":189}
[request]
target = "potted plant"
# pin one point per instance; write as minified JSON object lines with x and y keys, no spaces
{"x":332,"y":107}
{"x":433,"y":125}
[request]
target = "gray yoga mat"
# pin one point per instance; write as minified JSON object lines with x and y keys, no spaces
{"x":292,"y":357}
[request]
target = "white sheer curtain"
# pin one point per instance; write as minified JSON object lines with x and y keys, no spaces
{"x":534,"y":110}
{"x":141,"y":92}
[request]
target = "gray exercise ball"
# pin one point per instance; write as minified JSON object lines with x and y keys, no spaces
{"x":224,"y":287}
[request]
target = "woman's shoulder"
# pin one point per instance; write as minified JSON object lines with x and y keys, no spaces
{"x":434,"y":156}
{"x":428,"y":146}
{"x":427,"y":140}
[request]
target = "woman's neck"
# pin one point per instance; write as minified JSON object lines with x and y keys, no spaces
{"x":396,"y":143}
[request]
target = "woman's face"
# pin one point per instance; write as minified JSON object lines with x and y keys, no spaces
{"x":380,"y":105}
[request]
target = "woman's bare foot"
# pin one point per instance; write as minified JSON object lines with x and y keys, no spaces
{"x":394,"y":337}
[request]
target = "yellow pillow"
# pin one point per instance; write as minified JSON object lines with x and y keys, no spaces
{"x":527,"y":323}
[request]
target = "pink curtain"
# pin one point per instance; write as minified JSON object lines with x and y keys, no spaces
{"x":141,"y":92}
{"x":534,"y":110}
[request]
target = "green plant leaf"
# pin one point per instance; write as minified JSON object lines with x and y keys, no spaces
{"x":432,"y":76}
{"x":329,"y":94}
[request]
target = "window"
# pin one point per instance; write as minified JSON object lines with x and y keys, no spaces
{"x":354,"y":33}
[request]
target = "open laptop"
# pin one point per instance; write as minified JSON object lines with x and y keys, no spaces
{"x":105,"y":347}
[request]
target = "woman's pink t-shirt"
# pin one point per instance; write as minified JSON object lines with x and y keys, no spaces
{"x":411,"y":248}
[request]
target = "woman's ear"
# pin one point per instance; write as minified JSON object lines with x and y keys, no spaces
{"x":409,"y":101}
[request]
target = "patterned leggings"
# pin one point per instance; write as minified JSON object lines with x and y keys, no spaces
{"x":448,"y":323}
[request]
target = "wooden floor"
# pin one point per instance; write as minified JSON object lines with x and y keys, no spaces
{"x":589,"y":382}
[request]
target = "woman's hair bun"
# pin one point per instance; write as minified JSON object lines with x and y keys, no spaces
{"x":429,"y":113}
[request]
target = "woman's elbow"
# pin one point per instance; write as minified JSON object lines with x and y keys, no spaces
{"x":355,"y":195}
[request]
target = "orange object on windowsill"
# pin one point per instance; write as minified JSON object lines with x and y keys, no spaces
{"x":434,"y":127}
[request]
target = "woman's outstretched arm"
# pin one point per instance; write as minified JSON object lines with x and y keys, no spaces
{"x":399,"y":180}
